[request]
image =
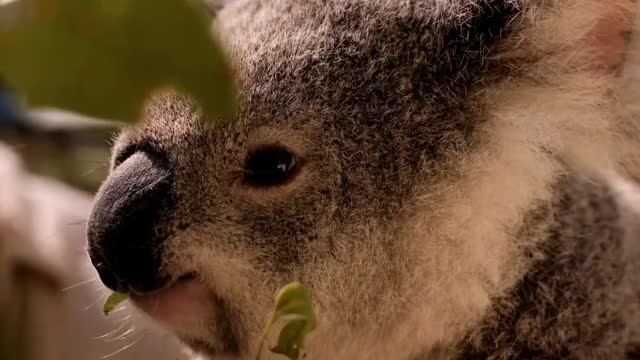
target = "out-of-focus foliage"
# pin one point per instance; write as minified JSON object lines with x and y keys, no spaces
{"x":103,"y":57}
{"x":100,"y":58}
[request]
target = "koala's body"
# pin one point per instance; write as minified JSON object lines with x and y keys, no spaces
{"x":444,"y":175}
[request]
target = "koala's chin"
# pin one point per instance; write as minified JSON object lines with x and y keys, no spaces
{"x":447,"y":177}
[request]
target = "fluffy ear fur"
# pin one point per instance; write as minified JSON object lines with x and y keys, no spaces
{"x":628,"y":92}
{"x":610,"y":34}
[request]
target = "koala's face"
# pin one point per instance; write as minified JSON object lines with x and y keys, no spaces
{"x":351,"y":112}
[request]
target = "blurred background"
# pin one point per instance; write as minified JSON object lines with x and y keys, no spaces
{"x":61,"y":145}
{"x":57,"y":144}
{"x":51,"y":299}
{"x":51,"y":162}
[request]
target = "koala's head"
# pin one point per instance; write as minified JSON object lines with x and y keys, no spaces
{"x":383,"y":154}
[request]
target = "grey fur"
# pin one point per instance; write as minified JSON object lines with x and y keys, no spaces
{"x":390,"y":104}
{"x":580,"y":298}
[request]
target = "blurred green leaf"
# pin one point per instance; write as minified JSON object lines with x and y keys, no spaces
{"x":102,"y":58}
{"x":113,"y":300}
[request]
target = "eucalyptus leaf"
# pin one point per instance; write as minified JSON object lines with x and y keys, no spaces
{"x":295,"y":306}
{"x":294,"y":302}
{"x":103,"y":58}
{"x":113,"y":300}
{"x":291,"y":339}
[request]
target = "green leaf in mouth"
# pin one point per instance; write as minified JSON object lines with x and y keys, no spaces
{"x":294,"y":305}
{"x":113,"y":300}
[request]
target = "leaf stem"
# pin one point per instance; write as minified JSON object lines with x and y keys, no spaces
{"x":265,"y":333}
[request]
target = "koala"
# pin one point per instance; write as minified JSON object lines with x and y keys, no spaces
{"x":449,"y":178}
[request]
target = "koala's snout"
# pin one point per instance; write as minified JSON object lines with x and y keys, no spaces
{"x":124,"y":240}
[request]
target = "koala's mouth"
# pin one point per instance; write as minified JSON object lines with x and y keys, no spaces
{"x":179,"y":304}
{"x":188,"y":304}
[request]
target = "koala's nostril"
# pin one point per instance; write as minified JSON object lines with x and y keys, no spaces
{"x":125,"y":238}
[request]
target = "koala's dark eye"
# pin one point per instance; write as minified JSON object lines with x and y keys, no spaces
{"x":270,"y":166}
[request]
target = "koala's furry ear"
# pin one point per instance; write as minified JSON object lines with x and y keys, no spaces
{"x":611,"y":35}
{"x":600,"y":27}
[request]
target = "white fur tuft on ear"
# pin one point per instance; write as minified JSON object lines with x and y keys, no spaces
{"x":627,"y":93}
{"x":600,"y":26}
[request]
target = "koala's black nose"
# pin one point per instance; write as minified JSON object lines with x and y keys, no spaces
{"x":124,"y":238}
